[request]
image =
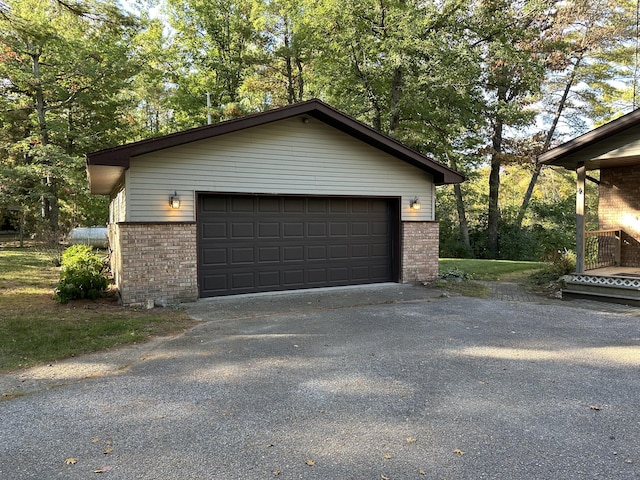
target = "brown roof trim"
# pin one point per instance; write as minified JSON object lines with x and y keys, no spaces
{"x":120,"y":156}
{"x":557,"y":154}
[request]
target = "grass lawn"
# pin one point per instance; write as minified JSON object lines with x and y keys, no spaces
{"x":470,"y":270}
{"x":492,"y":270}
{"x":34,"y":329}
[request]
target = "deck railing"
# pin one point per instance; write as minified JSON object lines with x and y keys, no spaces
{"x":602,"y":248}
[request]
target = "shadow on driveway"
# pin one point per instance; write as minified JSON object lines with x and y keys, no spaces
{"x":400,"y":384}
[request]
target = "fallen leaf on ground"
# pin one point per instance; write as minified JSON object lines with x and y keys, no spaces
{"x":95,"y":440}
{"x":107,"y":451}
{"x":411,"y":440}
{"x":383,"y":477}
{"x":311,"y":463}
{"x":421,"y":472}
{"x":71,"y":461}
{"x":594,"y":407}
{"x":457,"y":451}
{"x":387,"y":456}
{"x":277,"y":472}
{"x":102,"y":470}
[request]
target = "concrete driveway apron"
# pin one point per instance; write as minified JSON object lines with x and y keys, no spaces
{"x":376,"y":382}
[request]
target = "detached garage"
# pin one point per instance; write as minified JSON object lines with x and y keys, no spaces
{"x":298,"y":197}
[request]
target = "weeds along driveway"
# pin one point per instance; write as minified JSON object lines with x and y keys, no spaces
{"x":436,"y":388}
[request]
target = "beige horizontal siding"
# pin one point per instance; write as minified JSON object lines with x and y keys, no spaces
{"x":287,"y":157}
{"x":118,"y":206}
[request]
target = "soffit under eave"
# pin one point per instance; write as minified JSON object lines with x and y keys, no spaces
{"x":103,"y":178}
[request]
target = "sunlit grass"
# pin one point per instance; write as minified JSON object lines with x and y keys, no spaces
{"x":34,"y":329}
{"x":493,"y":270}
{"x":465,"y":276}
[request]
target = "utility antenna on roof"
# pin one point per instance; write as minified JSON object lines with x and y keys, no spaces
{"x":209,"y":106}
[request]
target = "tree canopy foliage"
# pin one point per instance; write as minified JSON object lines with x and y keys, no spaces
{"x":482,"y":85}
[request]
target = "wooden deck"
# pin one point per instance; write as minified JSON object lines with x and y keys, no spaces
{"x":609,"y":284}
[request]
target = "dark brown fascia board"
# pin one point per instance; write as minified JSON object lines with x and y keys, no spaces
{"x":120,"y":156}
{"x":555,"y":155}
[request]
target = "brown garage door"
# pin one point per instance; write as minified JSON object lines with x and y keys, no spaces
{"x":252,"y":244}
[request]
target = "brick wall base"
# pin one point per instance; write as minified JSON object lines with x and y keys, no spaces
{"x":420,"y":242}
{"x":157,"y":264}
{"x":154,"y":264}
{"x":619,"y":208}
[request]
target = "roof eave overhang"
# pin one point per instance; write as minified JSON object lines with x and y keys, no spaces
{"x":118,"y":158}
{"x":575,"y":152}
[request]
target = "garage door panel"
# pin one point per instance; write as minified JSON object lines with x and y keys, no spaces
{"x":316,"y":229}
{"x":268,"y":204}
{"x":379,"y":250}
{"x":242,"y":280}
{"x":242,"y":205}
{"x":212,"y":204}
{"x":293,"y":229}
{"x":214,"y":256}
{"x":264,"y":243}
{"x":293,"y":254}
{"x":360,"y":205}
{"x":338,"y":229}
{"x":242,"y":230}
{"x":360,"y":229}
{"x":270,"y":279}
{"x":293,"y":278}
{"x":214,"y":230}
{"x":317,"y":276}
{"x":293,"y":205}
{"x":269,"y":254}
{"x":380,"y":228}
{"x":339,"y":274}
{"x":316,"y":252}
{"x":268,"y":230}
{"x":317,"y":205}
{"x":339,"y":252}
{"x":339,"y":205}
{"x":360,"y":250}
{"x":242,"y":255}
{"x":380,"y":272}
{"x":360,"y":272}
{"x":215,"y":283}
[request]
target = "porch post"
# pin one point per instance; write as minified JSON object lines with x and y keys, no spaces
{"x":580,"y":210}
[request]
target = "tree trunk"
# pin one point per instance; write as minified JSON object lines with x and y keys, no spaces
{"x":547,"y":142}
{"x":50,"y":210}
{"x":300,"y":79}
{"x":396,"y":94}
{"x":494,"y":189}
{"x":291,"y":93}
{"x":462,"y":214}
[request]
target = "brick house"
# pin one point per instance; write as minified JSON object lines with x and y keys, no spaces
{"x":608,"y":259}
{"x":297,"y":197}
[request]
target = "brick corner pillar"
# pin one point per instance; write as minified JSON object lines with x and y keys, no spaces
{"x":156,"y":263}
{"x":420,"y":251}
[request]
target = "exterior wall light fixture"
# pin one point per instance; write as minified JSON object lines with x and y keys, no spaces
{"x":415,"y":204}
{"x":174,"y":200}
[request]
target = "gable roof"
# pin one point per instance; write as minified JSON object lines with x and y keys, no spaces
{"x":609,"y":145}
{"x":105,"y":167}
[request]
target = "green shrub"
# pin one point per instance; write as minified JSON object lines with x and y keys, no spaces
{"x":563,"y":262}
{"x":82,"y":274}
{"x":558,"y":264}
{"x":455,"y":274}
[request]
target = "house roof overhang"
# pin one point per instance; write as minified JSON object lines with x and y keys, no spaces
{"x":105,"y":167}
{"x":613,"y":144}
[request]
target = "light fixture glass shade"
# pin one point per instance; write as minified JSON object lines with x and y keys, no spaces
{"x":174,"y":200}
{"x":415,"y":204}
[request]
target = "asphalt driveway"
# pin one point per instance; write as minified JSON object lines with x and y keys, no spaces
{"x":386,"y":382}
